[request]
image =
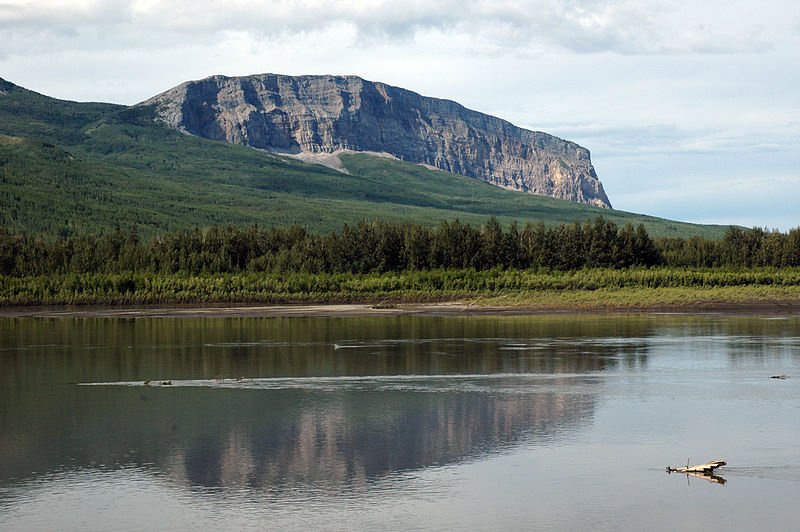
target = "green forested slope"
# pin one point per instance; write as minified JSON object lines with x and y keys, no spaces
{"x":75,"y":168}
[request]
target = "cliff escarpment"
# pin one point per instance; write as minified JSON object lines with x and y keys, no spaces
{"x":327,"y":114}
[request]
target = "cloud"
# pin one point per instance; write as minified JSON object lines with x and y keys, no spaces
{"x":580,"y":26}
{"x":648,"y":140}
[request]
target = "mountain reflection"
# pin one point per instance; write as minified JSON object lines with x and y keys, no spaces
{"x":463,"y":388}
{"x":353,"y":439}
{"x":215,"y":437}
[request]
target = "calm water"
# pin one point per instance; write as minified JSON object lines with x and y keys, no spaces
{"x":487,"y":423}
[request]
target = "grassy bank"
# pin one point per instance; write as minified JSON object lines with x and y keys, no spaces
{"x":587,"y":288}
{"x":649,"y":298}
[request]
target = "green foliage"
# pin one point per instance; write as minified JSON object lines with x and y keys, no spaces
{"x":639,"y":285}
{"x":368,"y":247}
{"x":362,"y":248}
{"x":396,"y":262}
{"x":739,"y":248}
{"x":25,"y":113}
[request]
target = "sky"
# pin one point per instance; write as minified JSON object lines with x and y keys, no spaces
{"x":691,"y":108}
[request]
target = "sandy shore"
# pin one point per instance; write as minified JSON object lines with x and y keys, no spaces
{"x":456,"y":308}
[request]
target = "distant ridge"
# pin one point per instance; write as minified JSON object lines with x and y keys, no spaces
{"x":76,"y":168}
{"x":329,"y":114}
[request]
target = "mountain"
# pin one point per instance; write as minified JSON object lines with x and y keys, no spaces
{"x":329,"y":114}
{"x":72,"y":168}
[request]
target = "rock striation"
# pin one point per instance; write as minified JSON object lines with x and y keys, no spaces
{"x":328,"y":114}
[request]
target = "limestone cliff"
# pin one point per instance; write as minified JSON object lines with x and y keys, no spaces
{"x":325,"y":114}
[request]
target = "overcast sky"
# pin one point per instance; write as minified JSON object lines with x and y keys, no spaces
{"x":691,"y":108}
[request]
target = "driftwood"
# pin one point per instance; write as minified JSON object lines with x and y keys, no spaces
{"x":705,"y":471}
{"x":708,"y":467}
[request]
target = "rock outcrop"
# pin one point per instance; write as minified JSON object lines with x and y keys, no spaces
{"x":326,"y":114}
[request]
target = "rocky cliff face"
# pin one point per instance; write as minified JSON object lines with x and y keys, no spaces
{"x":325,"y":114}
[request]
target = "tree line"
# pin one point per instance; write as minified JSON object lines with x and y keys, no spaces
{"x":377,"y":247}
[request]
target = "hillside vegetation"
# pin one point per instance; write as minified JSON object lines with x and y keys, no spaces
{"x":70,"y":168}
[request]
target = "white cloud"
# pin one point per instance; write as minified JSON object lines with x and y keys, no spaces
{"x":584,"y":26}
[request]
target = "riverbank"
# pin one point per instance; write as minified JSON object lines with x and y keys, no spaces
{"x":435,"y":291}
{"x":481,"y":307}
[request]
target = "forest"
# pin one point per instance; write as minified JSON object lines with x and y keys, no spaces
{"x":383,"y":260}
{"x":378,"y":247}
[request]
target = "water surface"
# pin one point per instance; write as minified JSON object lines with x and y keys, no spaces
{"x":495,"y":423}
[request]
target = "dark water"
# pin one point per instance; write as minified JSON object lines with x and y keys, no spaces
{"x":489,"y":423}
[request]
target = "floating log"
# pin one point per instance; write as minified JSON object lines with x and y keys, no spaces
{"x":705,"y":468}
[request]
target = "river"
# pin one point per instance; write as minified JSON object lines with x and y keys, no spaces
{"x":399,"y":423}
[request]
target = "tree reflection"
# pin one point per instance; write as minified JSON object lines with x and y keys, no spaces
{"x":223,"y":436}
